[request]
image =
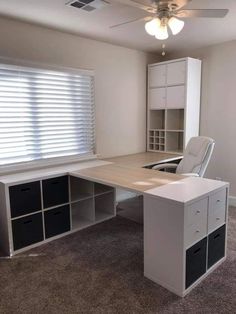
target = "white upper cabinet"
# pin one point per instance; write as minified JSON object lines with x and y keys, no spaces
{"x":173,"y":104}
{"x":157,"y":76}
{"x":175,"y":97}
{"x":176,"y":73}
{"x":157,"y":98}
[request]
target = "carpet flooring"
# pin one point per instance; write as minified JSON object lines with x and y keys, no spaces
{"x":100,"y":270}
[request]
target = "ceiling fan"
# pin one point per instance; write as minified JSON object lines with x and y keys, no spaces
{"x":166,"y":13}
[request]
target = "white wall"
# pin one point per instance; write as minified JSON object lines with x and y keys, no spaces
{"x":120,"y":85}
{"x":218,"y":107}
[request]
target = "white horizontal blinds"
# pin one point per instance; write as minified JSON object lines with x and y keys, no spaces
{"x":44,"y":114}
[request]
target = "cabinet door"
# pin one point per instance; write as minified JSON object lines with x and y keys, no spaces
{"x":195,"y":262}
{"x":57,"y":221}
{"x":217,"y":210}
{"x":176,"y":73}
{"x":27,"y":230}
{"x":25,"y":198}
{"x":175,"y":97}
{"x":55,"y":191}
{"x":157,"y":98}
{"x":157,"y":76}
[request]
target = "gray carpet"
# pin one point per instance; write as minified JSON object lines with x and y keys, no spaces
{"x":100,"y":270}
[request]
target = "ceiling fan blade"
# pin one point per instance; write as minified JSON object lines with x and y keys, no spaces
{"x":147,"y":18}
{"x":179,"y":3}
{"x":214,"y":13}
{"x":145,"y":5}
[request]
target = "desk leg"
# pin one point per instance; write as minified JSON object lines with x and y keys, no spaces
{"x":164,"y":260}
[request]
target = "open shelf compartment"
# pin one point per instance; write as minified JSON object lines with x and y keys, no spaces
{"x":101,"y":188}
{"x":157,"y":119}
{"x":174,"y":141}
{"x":80,"y":189}
{"x":175,"y":119}
{"x":82,"y":213}
{"x":104,"y":206}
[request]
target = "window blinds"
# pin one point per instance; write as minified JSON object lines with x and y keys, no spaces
{"x":45,"y":114}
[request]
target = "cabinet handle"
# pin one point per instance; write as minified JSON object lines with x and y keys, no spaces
{"x":56,"y":182}
{"x":218,"y":201}
{"x":28,"y":221}
{"x":197,"y":250}
{"x":198,"y":211}
{"x":25,"y":189}
{"x":197,"y":231}
{"x":57,"y":213}
{"x":217,"y":218}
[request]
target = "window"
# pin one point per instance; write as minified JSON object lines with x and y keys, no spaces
{"x":45,"y":114}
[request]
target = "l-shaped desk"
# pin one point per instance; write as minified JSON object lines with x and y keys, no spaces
{"x":185,"y":218}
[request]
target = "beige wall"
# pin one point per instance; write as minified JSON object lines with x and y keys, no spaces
{"x":120,"y":84}
{"x":218,"y":107}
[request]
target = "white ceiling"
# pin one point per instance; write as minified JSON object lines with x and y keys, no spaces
{"x":197,"y":33}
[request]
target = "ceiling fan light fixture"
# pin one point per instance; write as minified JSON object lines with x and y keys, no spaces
{"x":175,"y":25}
{"x":162,"y":33}
{"x":153,"y":26}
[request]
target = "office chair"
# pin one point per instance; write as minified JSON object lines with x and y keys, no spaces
{"x":196,"y":157}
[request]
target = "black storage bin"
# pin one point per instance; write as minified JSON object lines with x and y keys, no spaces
{"x":57,"y":221}
{"x":55,"y":191}
{"x":25,"y":198}
{"x":216,"y":246}
{"x":27,"y":230}
{"x":195,"y":262}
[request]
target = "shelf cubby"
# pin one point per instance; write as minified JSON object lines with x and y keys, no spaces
{"x":80,"y":189}
{"x":174,"y":141}
{"x":83,"y":213}
{"x":175,"y":119}
{"x":101,"y":189}
{"x":104,"y":206}
{"x":157,"y":119}
{"x":174,"y":105}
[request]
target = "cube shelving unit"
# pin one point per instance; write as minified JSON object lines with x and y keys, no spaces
{"x":173,"y":104}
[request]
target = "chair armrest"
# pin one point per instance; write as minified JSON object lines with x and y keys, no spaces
{"x":165,"y":166}
{"x":190,"y":174}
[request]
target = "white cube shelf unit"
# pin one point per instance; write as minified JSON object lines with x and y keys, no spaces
{"x":173,"y":104}
{"x":37,"y":211}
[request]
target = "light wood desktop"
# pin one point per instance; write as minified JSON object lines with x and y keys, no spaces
{"x":140,"y":160}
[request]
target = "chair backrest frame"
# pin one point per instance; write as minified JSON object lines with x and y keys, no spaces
{"x":197,"y":155}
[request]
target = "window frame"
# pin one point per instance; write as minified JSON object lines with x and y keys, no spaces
{"x":53,"y":161}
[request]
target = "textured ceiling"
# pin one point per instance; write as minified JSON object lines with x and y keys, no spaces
{"x":55,"y":14}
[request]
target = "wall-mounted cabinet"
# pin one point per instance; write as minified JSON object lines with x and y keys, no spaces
{"x":173,"y":104}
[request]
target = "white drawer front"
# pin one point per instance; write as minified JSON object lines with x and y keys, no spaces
{"x":176,"y":72}
{"x":195,"y":232}
{"x":175,"y":97}
{"x":197,"y":212}
{"x":157,"y":98}
{"x":157,"y":76}
{"x":196,"y":221}
{"x":217,"y":210}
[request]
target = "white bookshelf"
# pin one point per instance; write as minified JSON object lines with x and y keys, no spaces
{"x":173,"y":104}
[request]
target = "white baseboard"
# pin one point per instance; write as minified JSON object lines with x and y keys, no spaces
{"x":232,"y":201}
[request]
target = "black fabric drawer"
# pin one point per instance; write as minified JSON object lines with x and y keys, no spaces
{"x":55,"y":191}
{"x":57,"y":221}
{"x":25,"y":198}
{"x":27,"y":230}
{"x":195,"y":262}
{"x":216,"y":246}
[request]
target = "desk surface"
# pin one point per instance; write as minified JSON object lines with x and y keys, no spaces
{"x":134,"y":179}
{"x":143,"y":159}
